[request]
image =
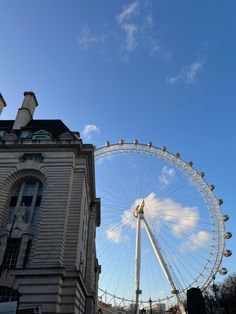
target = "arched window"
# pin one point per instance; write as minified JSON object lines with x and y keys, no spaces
{"x":24,"y":208}
{"x":25,"y":202}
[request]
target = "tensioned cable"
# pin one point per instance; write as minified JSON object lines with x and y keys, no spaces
{"x":173,"y":250}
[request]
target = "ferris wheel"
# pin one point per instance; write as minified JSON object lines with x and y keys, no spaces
{"x":162,"y":229}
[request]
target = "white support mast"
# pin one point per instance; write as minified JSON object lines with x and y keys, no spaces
{"x":139,"y":215}
{"x":164,"y":266}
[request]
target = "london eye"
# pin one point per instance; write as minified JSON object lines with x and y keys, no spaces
{"x":162,"y":231}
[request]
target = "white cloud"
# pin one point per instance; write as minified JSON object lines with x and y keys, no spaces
{"x":128,"y":12}
{"x":89,"y":130}
{"x":131,"y":40}
{"x":192,"y":71}
{"x":162,"y":213}
{"x":135,"y":30}
{"x":188,"y":74}
{"x":86,"y":38}
{"x":135,"y":21}
{"x":179,"y":218}
{"x":196,"y":241}
{"x":167,"y":175}
{"x":155,"y":49}
{"x":148,"y":20}
{"x":114,"y":234}
{"x":130,"y":29}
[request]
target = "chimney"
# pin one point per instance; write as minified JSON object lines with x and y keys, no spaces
{"x":2,"y":103}
{"x":26,"y":112}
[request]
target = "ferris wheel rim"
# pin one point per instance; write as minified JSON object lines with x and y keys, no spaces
{"x":201,"y":185}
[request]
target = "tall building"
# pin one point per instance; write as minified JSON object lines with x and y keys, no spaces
{"x":48,"y":216}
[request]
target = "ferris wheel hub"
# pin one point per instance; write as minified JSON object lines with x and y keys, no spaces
{"x":139,"y":210}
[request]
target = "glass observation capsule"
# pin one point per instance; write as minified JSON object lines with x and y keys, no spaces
{"x":227,"y":253}
{"x":212,"y":187}
{"x":225,"y":217}
{"x":228,"y":235}
{"x":223,"y":271}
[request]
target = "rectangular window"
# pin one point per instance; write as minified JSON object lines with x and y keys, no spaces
{"x":29,"y":189}
{"x":26,"y":213}
{"x":25,"y":134}
{"x":10,"y":216}
{"x":11,"y":253}
{"x":2,"y":133}
{"x":35,"y":157}
{"x":36,"y":215}
{"x":8,"y":295}
{"x":41,"y":137}
{"x":13,"y":201}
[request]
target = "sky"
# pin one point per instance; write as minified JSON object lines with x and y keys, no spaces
{"x":160,"y":71}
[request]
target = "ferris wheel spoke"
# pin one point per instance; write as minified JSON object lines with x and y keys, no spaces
{"x":173,"y":219}
{"x":117,"y":189}
{"x":125,"y":270}
{"x":173,"y":222}
{"x":168,"y":236}
{"x":172,"y":251}
{"x":110,"y":196}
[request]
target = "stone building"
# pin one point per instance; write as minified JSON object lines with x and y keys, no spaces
{"x":48,"y":216}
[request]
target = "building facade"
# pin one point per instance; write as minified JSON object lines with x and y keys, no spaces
{"x":48,"y":216}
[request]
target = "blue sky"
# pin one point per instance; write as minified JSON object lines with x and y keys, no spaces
{"x":153,"y":70}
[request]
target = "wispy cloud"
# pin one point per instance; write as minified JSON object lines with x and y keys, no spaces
{"x":188,"y":74}
{"x":148,"y":20}
{"x":131,"y":40}
{"x":196,"y":241}
{"x":128,"y":12}
{"x":89,"y":130}
{"x":167,"y":175}
{"x":114,"y":234}
{"x":85,"y":38}
{"x":137,"y":24}
{"x":130,"y":29}
{"x":162,"y":213}
{"x":179,"y":218}
{"x":133,"y":31}
{"x":155,"y":49}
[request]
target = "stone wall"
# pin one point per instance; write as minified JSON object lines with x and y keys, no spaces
{"x":60,"y":274}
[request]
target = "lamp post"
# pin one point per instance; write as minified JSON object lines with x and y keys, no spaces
{"x":150,"y":304}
